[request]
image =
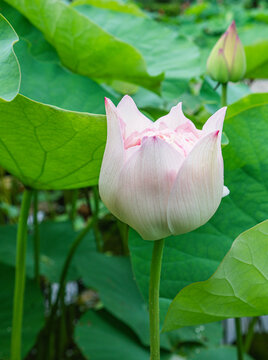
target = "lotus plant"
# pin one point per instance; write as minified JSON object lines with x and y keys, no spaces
{"x":162,"y":178}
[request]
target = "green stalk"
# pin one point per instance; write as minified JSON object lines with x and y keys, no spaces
{"x":36,"y":238}
{"x":95,"y":216}
{"x":67,"y":263}
{"x":250,"y":334}
{"x":224,"y":94}
{"x":60,"y":295}
{"x":239,"y":341}
{"x":154,"y":299}
{"x":20,"y":276}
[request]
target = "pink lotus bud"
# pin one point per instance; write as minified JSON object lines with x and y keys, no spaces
{"x":163,"y":177}
{"x":227,"y":60}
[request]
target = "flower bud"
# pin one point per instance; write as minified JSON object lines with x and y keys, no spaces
{"x":227,"y":60}
{"x":163,"y":177}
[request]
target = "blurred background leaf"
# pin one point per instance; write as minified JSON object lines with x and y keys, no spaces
{"x":9,"y":66}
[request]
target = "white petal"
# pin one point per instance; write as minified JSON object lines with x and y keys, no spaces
{"x":226,"y":191}
{"x":174,"y":118}
{"x":197,"y":191}
{"x":113,"y":158}
{"x":134,"y":120}
{"x":215,"y":122}
{"x":144,"y":186}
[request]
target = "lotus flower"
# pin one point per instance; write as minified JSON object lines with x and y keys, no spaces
{"x":227,"y":60}
{"x":163,"y":177}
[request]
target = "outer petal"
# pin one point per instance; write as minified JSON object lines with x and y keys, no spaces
{"x":215,"y":122}
{"x":174,"y":118}
{"x":113,"y":158}
{"x":144,"y":186}
{"x":134,"y":120}
{"x":198,"y":188}
{"x":225,"y":191}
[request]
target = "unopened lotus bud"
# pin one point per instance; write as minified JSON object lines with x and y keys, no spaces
{"x":227,"y":60}
{"x":163,"y":177}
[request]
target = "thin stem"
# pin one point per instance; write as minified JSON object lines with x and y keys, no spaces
{"x":250,"y":333}
{"x":95,"y":216}
{"x":239,"y":342}
{"x":67,"y":263}
{"x":36,"y":238}
{"x":20,"y":277}
{"x":224,"y":94}
{"x":154,"y":299}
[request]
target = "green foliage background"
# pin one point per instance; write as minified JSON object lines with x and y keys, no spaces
{"x":58,"y":61}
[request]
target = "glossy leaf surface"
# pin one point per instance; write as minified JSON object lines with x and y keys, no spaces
{"x":238,"y":288}
{"x":9,"y":66}
{"x":111,"y":58}
{"x":57,"y":149}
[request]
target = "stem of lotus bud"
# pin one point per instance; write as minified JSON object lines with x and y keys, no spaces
{"x":239,"y":340}
{"x":154,"y":299}
{"x":224,"y":94}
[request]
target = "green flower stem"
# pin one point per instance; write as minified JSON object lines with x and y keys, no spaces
{"x":250,"y":334}
{"x":239,"y":342}
{"x":61,"y":292}
{"x":20,"y":277}
{"x":36,"y":238}
{"x":96,"y":215}
{"x":224,"y":94}
{"x":154,"y":299}
{"x":67,"y":263}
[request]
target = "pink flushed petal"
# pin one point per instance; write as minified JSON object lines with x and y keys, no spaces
{"x":113,"y":158}
{"x":133,"y":119}
{"x":144,"y":186}
{"x":174,"y":118}
{"x":215,"y":122}
{"x":198,"y":188}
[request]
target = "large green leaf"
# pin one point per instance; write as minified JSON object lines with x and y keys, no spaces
{"x":50,"y":148}
{"x":254,"y":37}
{"x":85,"y":47}
{"x":100,"y":336}
{"x":113,"y":278}
{"x":238,"y":288}
{"x":99,"y":339}
{"x":218,"y":353}
{"x":44,"y":79}
{"x":9,"y":66}
{"x":115,"y":5}
{"x":161,"y":46}
{"x":195,"y":256}
{"x":33,"y":318}
{"x":51,"y":83}
{"x":257,"y":66}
